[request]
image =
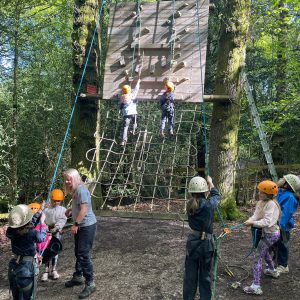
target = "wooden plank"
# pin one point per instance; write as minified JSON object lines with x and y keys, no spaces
{"x":162,"y":5}
{"x":161,"y":37}
{"x":118,"y":22}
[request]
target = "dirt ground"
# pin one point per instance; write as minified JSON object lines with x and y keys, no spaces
{"x":144,"y":259}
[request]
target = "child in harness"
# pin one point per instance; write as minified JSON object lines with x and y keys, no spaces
{"x":23,"y":270}
{"x":167,"y":104}
{"x":200,"y":244}
{"x":266,"y":215}
{"x":128,"y":106}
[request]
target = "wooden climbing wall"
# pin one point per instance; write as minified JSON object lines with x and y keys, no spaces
{"x":165,"y":38}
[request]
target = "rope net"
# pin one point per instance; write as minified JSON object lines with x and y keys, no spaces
{"x":149,"y":173}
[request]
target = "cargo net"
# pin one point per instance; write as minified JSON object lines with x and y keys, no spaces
{"x":150,"y":173}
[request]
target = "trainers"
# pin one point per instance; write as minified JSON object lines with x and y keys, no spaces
{"x":88,"y":290}
{"x":44,"y":277}
{"x":271,"y":273}
{"x":254,"y":291}
{"x":123,"y":143}
{"x":162,"y":134}
{"x":282,"y":269}
{"x":76,"y":280}
{"x":55,"y":275}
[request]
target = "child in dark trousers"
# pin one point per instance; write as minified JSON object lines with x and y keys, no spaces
{"x":287,"y":198}
{"x":22,"y":269}
{"x":200,"y":244}
{"x":167,"y":104}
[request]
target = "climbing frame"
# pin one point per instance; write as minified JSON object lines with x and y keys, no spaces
{"x":167,"y":39}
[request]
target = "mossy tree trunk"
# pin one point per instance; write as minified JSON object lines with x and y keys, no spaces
{"x":226,"y":116}
{"x":85,"y":117}
{"x":86,"y":120}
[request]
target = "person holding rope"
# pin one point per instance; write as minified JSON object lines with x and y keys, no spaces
{"x":128,"y":106}
{"x":55,"y":220}
{"x":23,"y":268}
{"x":287,"y":197}
{"x":167,"y":104}
{"x":200,"y":244}
{"x":83,"y":229}
{"x":265,"y":218}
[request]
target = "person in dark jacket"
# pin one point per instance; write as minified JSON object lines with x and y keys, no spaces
{"x":167,"y":104}
{"x":22,"y":269}
{"x":200,"y":244}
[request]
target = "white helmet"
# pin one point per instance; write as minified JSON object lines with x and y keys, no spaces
{"x":198,"y":185}
{"x":293,"y":181}
{"x":19,"y":216}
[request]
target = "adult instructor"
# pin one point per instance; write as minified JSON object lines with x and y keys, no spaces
{"x":83,"y":229}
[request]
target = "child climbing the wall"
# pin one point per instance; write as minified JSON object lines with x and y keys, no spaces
{"x":200,"y":244}
{"x":266,"y":215}
{"x":22,"y":269}
{"x":167,"y":104}
{"x":287,"y":197}
{"x":128,"y":106}
{"x":56,"y":220}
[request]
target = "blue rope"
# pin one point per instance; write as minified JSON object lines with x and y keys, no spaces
{"x":75,"y":102}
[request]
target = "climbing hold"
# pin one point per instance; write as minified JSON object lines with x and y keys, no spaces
{"x":187,"y":29}
{"x":122,"y":61}
{"x":152,"y":69}
{"x":163,"y":61}
{"x":137,"y":69}
{"x":168,"y":22}
{"x":145,"y":30}
{"x":183,"y":64}
{"x":133,"y":14}
{"x":177,"y":14}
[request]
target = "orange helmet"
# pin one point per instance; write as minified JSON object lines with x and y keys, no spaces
{"x":57,"y":195}
{"x":268,"y":187}
{"x":169,"y":86}
{"x":126,"y":89}
{"x":35,"y":207}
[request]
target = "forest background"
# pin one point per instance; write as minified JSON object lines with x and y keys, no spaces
{"x":37,"y":91}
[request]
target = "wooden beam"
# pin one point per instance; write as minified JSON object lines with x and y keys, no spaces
{"x":206,"y":98}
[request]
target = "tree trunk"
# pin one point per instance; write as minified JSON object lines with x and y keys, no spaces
{"x":226,"y":116}
{"x":85,"y":117}
{"x":14,"y":149}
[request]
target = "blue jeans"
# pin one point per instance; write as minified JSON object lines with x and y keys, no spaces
{"x":126,"y":122}
{"x":83,"y":245}
{"x":282,"y":249}
{"x":198,"y":263}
